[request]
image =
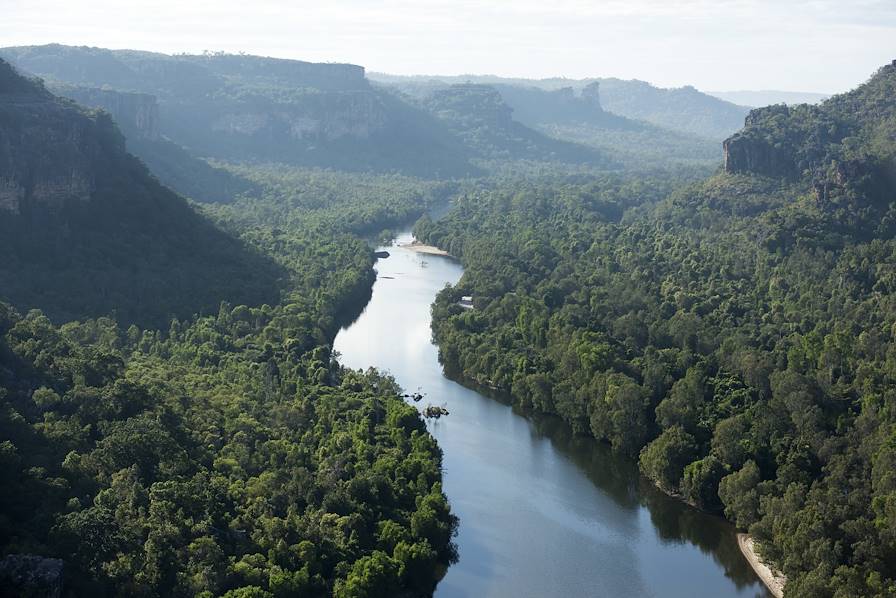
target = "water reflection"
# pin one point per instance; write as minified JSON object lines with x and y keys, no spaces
{"x":543,"y":512}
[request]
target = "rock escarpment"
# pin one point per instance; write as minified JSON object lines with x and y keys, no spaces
{"x":48,"y":148}
{"x":86,"y":230}
{"x":236,"y":107}
{"x":842,"y":152}
{"x":754,"y":150}
{"x":480,"y":116}
{"x":317,"y":117}
{"x":136,"y":114}
{"x":805,"y":140}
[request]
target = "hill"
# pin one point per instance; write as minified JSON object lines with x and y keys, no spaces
{"x":767,"y":97}
{"x":684,"y":110}
{"x":86,"y":230}
{"x":235,"y":107}
{"x":843,"y":148}
{"x":479,"y":115}
{"x":137,"y":116}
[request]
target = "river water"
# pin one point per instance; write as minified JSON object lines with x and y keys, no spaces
{"x":542,"y":513}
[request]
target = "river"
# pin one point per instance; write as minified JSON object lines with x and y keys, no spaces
{"x":542,"y":513}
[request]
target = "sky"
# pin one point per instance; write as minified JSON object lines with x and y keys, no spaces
{"x":824,"y":46}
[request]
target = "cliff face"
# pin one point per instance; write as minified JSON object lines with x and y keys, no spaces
{"x":235,"y":107}
{"x":843,"y":150}
{"x":804,"y":140}
{"x":755,"y":150}
{"x":319,"y":117}
{"x":86,"y":230}
{"x":136,"y":114}
{"x":48,"y":149}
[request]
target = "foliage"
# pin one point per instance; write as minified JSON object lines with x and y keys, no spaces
{"x":727,"y":331}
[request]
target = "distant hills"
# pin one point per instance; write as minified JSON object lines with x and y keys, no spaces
{"x":767,"y":97}
{"x":483,"y":118}
{"x":685,"y":110}
{"x":179,"y":111}
{"x":633,"y":122}
{"x":86,"y":230}
{"x":250,"y":108}
{"x":234,"y":107}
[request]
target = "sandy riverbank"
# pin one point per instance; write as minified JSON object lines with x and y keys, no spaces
{"x":423,"y":248}
{"x":774,"y":583}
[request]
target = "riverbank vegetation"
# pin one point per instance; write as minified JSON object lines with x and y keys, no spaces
{"x":730,"y":345}
{"x":229,"y":454}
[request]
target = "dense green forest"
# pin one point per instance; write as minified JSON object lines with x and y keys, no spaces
{"x":224,"y":453}
{"x":736,"y":334}
{"x":173,"y":421}
{"x":227,"y":454}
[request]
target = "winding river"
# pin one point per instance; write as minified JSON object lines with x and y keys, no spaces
{"x":542,"y":513}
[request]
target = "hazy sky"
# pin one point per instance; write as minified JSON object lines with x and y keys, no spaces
{"x":799,"y":45}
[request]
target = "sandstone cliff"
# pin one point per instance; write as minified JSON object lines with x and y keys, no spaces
{"x":48,"y":147}
{"x":235,"y":107}
{"x":86,"y":230}
{"x":136,"y":114}
{"x":757,"y":151}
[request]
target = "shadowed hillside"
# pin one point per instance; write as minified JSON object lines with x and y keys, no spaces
{"x":85,"y":229}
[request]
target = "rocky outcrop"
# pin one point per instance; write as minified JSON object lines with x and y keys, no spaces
{"x":49,"y":149}
{"x":29,"y":576}
{"x":137,"y":114}
{"x":294,"y":73}
{"x":237,"y":107}
{"x":181,"y":75}
{"x":318,"y":117}
{"x":535,"y":107}
{"x":472,"y":104}
{"x":745,"y":155}
{"x":753,"y":150}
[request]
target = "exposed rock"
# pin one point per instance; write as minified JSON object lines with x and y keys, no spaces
{"x":324,"y":117}
{"x":136,"y":113}
{"x":49,"y":150}
{"x":750,"y":155}
{"x":751,"y":152}
{"x":30,"y":576}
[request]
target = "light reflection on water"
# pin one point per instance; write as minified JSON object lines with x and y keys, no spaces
{"x":543,"y":513}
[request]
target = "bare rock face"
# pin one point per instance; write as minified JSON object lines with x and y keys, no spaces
{"x":318,"y":116}
{"x":757,"y":156}
{"x":29,"y":576}
{"x":48,"y":155}
{"x":749,"y":151}
{"x":136,"y":113}
{"x":50,"y":150}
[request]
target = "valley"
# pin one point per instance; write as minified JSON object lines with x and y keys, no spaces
{"x":650,"y":320}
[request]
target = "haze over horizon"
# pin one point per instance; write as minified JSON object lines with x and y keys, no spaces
{"x":801,"y":45}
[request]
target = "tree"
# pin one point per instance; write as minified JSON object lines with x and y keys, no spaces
{"x":664,"y":459}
